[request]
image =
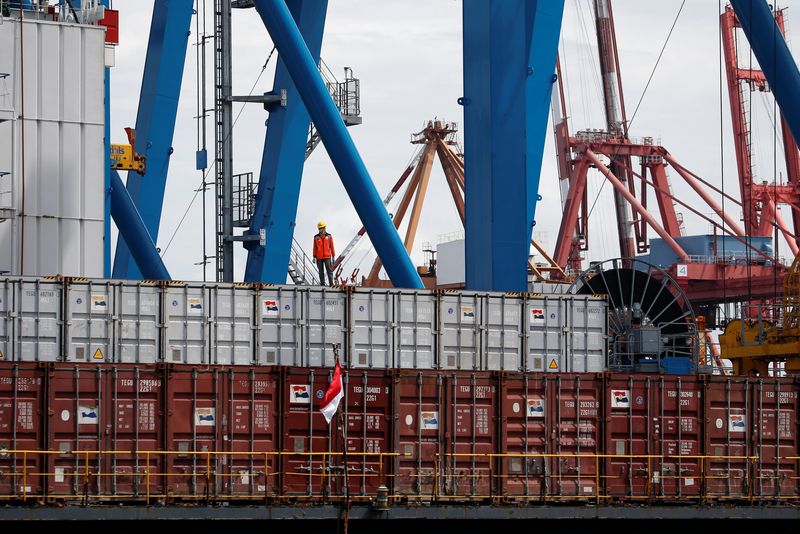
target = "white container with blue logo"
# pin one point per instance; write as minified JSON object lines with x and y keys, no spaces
{"x":372,"y":328}
{"x":186,"y":318}
{"x":89,"y":326}
{"x":279,"y":313}
{"x":544,"y":333}
{"x":138,"y":318}
{"x":325,"y":324}
{"x":460,"y":321}
{"x":232,"y":324}
{"x":503,"y":333}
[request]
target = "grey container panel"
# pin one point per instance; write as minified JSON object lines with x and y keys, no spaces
{"x":232,"y":325}
{"x":504,"y":330}
{"x":186,"y":318}
{"x":89,"y":326}
{"x":544,"y":331}
{"x":38,"y":327}
{"x":8,"y":288}
{"x":138,"y":323}
{"x":279,"y":331}
{"x":372,"y":341}
{"x":459,"y":330}
{"x":587,"y":334}
{"x":325,"y":317}
{"x":415,"y":314}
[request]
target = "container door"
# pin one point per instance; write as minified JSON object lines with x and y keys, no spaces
{"x":775,"y":437}
{"x":419,"y":401}
{"x":22,"y":412}
{"x":576,"y":435}
{"x":186,"y":317}
{"x":524,"y":444}
{"x":232,"y":325}
{"x":587,"y":330}
{"x":326,"y":322}
{"x":467,"y":464}
{"x":139,"y":316}
{"x":544,"y":323}
{"x":416,"y":321}
{"x":135,"y":397}
{"x":89,"y":325}
{"x":77,"y":423}
{"x":502,"y":346}
{"x":251,"y":409}
{"x":8,"y":288}
{"x":194,"y":432}
{"x":279,"y":326}
{"x":727,"y":440}
{"x":39,"y":309}
{"x":631,"y":404}
{"x":459,"y":330}
{"x":371,"y":329}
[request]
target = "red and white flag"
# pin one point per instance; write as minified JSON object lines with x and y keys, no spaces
{"x":330,"y":402}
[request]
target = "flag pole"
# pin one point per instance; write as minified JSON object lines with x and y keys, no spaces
{"x":342,"y":423}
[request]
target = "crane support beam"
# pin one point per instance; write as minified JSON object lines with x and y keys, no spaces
{"x":283,"y":158}
{"x":134,"y":233}
{"x":345,"y":157}
{"x":155,"y":121}
{"x":510,"y":51}
{"x":774,"y":57}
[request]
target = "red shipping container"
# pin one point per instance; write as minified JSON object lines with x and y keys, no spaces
{"x":774,"y":435}
{"x":728,"y":427}
{"x":314,"y":459}
{"x":21,"y":414}
{"x":653,"y":437}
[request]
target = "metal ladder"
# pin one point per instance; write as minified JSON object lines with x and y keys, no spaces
{"x":302,"y":269}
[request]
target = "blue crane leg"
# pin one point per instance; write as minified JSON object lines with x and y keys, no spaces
{"x":155,"y":121}
{"x":133,"y":231}
{"x":509,"y":62}
{"x":339,"y":144}
{"x":282,"y":161}
{"x":773,"y":56}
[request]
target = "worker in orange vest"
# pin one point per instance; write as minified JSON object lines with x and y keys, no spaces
{"x":324,"y":253}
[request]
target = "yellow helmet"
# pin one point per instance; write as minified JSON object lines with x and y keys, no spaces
{"x":320,"y":225}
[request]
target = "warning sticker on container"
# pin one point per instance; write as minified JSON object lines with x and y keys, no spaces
{"x":535,"y":408}
{"x":736,"y":423}
{"x":88,"y":415}
{"x":270,"y":308}
{"x":537,"y":315}
{"x":204,"y":417}
{"x":195,"y":306}
{"x":98,"y":354}
{"x":429,"y":420}
{"x":99,"y":304}
{"x":553,"y":364}
{"x":2,"y":357}
{"x":467,"y":314}
{"x":620,"y":398}
{"x":300,"y":394}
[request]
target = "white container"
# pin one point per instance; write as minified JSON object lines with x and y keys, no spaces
{"x":460,"y":319}
{"x":187,"y":336}
{"x":503,"y":333}
{"x":61,"y":221}
{"x":325,"y":320}
{"x":138,"y":313}
{"x":8,"y":288}
{"x":544,"y":329}
{"x":415,"y":314}
{"x":232,"y":328}
{"x":587,"y":334}
{"x":88,"y":330}
{"x":279,"y":312}
{"x":38,"y":326}
{"x":372,"y":336}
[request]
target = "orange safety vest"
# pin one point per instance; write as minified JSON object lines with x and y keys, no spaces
{"x":323,"y":247}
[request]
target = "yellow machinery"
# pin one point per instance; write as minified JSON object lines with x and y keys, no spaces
{"x":752,"y":344}
{"x":124,"y":158}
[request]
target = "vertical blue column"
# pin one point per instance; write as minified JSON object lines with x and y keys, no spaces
{"x":155,"y":121}
{"x":107,"y":177}
{"x":282,"y":160}
{"x":509,"y":62}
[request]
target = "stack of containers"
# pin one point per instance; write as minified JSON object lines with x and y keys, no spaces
{"x":84,"y":320}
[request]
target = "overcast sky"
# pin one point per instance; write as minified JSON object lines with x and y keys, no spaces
{"x":407,"y":54}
